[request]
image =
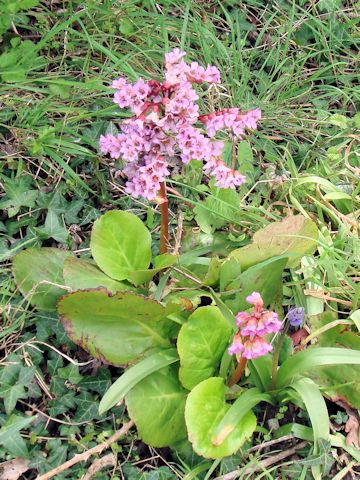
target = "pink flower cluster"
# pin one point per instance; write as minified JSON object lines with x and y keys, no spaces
{"x":248,"y":341}
{"x":162,"y":133}
{"x":230,"y":118}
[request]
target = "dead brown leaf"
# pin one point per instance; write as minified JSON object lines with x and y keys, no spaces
{"x":13,"y":469}
{"x":352,"y":424}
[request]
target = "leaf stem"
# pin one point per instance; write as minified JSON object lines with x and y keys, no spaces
{"x":276,"y":356}
{"x":164,"y":208}
{"x":239,"y":372}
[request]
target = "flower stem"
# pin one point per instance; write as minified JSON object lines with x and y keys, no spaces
{"x":239,"y":371}
{"x":276,"y":356}
{"x":164,"y":208}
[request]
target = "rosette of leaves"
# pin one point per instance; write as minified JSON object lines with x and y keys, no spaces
{"x":175,"y":383}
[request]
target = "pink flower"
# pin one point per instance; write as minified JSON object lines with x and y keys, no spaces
{"x":253,"y":326}
{"x":162,"y":131}
{"x":119,"y":83}
{"x":255,"y":299}
{"x":242,"y":318}
{"x":237,"y":346}
{"x":257,"y":347}
{"x":224,"y":176}
{"x":230,"y":118}
{"x":269,"y":323}
{"x":140,"y":89}
{"x":174,"y":56}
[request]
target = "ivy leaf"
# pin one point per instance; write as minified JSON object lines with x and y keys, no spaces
{"x":17,"y":446}
{"x":10,"y":395}
{"x":70,"y":373}
{"x":62,"y":404}
{"x":87,"y":408}
{"x":14,"y":424}
{"x":53,"y":228}
{"x":100,"y":382}
{"x":17,"y":194}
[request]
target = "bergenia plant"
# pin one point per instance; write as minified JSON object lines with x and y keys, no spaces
{"x":168,"y":131}
{"x":183,"y":361}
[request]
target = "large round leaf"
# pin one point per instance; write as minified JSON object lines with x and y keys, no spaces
{"x":265,"y":278}
{"x":205,"y":407}
{"x":201,"y":344}
{"x":117,"y":328}
{"x":294,"y":236}
{"x":81,"y":275}
{"x":36,"y":270}
{"x":120,"y":244}
{"x":156,"y":404}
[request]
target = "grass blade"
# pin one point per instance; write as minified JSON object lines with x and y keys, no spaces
{"x":308,"y":359}
{"x":134,"y":375}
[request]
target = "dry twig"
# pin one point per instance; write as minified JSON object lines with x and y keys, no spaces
{"x":83,"y":457}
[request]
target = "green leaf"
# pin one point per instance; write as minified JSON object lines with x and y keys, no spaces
{"x":294,"y":237}
{"x":161,"y":262}
{"x":201,"y":344}
{"x":10,"y":395}
{"x":17,"y":446}
{"x":14,"y":424}
{"x":35,"y":270}
{"x":53,"y":228}
{"x":342,"y":381}
{"x":245,"y":159}
{"x":126,"y":27}
{"x":17,"y":194}
{"x":156,"y":404}
{"x":216,"y":210}
{"x":117,"y":328}
{"x":87,"y":409}
{"x":100,"y":382}
{"x":260,"y":369}
{"x":205,"y":407}
{"x":211,"y":277}
{"x":315,"y":406}
{"x":120,"y":244}
{"x":265,"y":278}
{"x":81,"y":275}
{"x":230,"y":271}
{"x":242,"y":405}
{"x":355,"y":317}
{"x":134,"y":375}
{"x":307,"y":360}
{"x":70,"y":373}
{"x":339,"y":121}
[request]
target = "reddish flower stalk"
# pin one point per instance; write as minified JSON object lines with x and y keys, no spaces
{"x":248,"y":342}
{"x":164,"y":207}
{"x":239,"y":372}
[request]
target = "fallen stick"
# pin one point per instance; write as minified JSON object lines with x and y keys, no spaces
{"x":108,"y":460}
{"x":83,"y":457}
{"x":264,"y":464}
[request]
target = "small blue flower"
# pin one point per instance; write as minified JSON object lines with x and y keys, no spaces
{"x":296,"y":316}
